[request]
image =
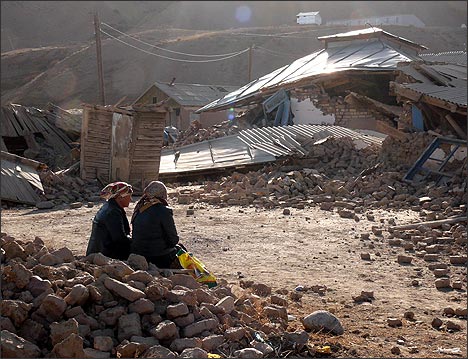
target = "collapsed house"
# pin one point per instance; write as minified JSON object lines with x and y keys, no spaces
{"x":121,"y":144}
{"x":183,"y":100}
{"x":362,"y":62}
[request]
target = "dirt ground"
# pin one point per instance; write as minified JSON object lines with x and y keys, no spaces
{"x":309,"y":247}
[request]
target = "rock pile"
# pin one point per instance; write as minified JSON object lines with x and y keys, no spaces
{"x":334,"y":175}
{"x":64,"y":189}
{"x":56,"y":305}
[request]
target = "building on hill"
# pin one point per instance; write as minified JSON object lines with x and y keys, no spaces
{"x":183,"y":99}
{"x":402,"y":20}
{"x":313,"y":18}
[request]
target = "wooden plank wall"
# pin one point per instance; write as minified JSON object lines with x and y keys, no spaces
{"x":147,"y":140}
{"x":96,"y":135}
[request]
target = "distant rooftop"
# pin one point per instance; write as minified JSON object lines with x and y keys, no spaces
{"x":450,"y":57}
{"x":312,"y":13}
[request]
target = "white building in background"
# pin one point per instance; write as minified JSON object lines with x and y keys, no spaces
{"x":304,"y":18}
{"x":402,"y":20}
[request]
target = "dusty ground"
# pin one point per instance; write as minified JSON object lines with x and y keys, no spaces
{"x":308,"y":247}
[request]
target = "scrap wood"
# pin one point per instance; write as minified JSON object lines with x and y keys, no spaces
{"x":431,"y":224}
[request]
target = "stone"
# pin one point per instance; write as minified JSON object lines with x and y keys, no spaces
{"x":141,"y":306}
{"x":442,"y":283}
{"x":457,"y":285}
{"x":129,"y":325}
{"x":181,"y":296}
{"x":449,"y":311}
{"x":150,"y":341}
{"x":37,"y":285}
{"x":139,"y":276}
{"x":248,"y":353}
{"x":103,"y":343}
{"x":52,"y":307}
{"x":110,"y":316}
{"x":76,"y":205}
{"x":436,"y":323}
{"x":45,"y":204}
{"x":402,"y":259}
{"x":395,"y":350}
{"x":462,"y":312}
{"x":193,"y":353}
{"x":155,"y":292}
{"x":458,"y":260}
{"x":263,"y":347}
{"x":322,"y":320}
{"x":16,"y":310}
{"x":441,"y":272}
{"x":137,"y":262}
{"x":184,"y":280}
{"x":180,"y":344}
{"x":365,"y":256}
{"x":226,"y":304}
{"x":199,"y":327}
{"x":7,"y":324}
{"x":49,"y":260}
{"x":158,"y":351}
{"x":78,"y":295}
{"x":279,"y":300}
{"x":261,"y":289}
{"x":234,"y":334}
{"x":33,"y":331}
{"x":60,"y":331}
{"x":130,"y":350}
{"x":450,"y":325}
{"x":65,"y":255}
{"x":123,"y":290}
{"x":394,"y":322}
{"x":13,"y":250}
{"x":70,"y":347}
{"x":117,"y":270}
{"x":177,"y":310}
{"x":165,"y":330}
{"x":212,"y":342}
{"x":13,"y":346}
{"x":18,"y":274}
{"x":185,"y":320}
{"x":409,"y":315}
{"x":95,"y":354}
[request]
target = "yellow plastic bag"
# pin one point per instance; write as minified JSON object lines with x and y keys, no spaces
{"x":198,"y":269}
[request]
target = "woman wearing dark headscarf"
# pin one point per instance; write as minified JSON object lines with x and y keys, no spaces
{"x":154,"y":231}
{"x":111,"y":232}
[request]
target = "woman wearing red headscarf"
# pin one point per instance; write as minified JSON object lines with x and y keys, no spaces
{"x":111,"y":231}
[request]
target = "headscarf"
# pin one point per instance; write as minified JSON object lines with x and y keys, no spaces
{"x":155,"y":192}
{"x":115,"y":189}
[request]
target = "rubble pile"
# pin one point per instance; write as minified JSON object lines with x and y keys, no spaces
{"x":63,"y":188}
{"x":195,"y":133}
{"x":57,"y":305}
{"x":335,"y":175}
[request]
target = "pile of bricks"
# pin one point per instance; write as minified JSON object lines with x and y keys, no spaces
{"x":57,"y":305}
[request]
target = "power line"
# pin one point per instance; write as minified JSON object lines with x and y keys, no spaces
{"x":161,"y":48}
{"x":275,"y":52}
{"x":171,"y":58}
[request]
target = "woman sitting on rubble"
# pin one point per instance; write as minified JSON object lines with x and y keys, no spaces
{"x":111,"y":231}
{"x":154,"y":231}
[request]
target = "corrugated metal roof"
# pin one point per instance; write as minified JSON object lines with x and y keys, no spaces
{"x":221,"y":152}
{"x":456,"y":75}
{"x":194,"y":94}
{"x":372,"y":55}
{"x":451,"y":57}
{"x":456,"y":95}
{"x":253,"y":146}
{"x":18,"y":181}
{"x":368,"y":33}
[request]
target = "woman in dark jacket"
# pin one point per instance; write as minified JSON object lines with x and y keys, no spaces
{"x":154,"y":231}
{"x":110,"y":234}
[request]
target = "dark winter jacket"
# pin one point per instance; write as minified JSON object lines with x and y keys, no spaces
{"x":111,"y":232}
{"x":154,"y":232}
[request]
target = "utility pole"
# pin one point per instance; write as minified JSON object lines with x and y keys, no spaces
{"x":97,"y":33}
{"x":250,"y":62}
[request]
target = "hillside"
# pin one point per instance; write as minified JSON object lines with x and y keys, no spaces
{"x":67,"y":76}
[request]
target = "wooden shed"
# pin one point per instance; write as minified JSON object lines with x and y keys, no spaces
{"x":122,"y":144}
